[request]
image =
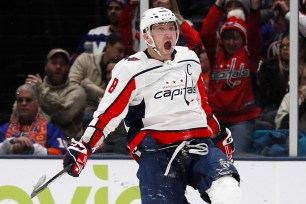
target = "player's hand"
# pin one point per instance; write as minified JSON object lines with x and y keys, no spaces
{"x":225,"y":142}
{"x":77,"y":153}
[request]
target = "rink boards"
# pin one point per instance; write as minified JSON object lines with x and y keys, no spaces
{"x":112,"y":180}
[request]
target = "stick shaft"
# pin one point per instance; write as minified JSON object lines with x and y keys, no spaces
{"x":45,"y":185}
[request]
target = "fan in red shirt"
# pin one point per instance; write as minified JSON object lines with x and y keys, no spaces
{"x":230,"y":90}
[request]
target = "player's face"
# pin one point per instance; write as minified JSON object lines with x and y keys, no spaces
{"x":232,"y":41}
{"x":164,"y":36}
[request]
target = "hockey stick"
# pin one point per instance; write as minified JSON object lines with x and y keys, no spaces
{"x":40,"y":186}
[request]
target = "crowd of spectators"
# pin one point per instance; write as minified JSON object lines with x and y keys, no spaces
{"x":243,"y":48}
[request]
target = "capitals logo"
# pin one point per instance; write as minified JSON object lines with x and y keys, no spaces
{"x":231,"y":75}
{"x":179,"y":87}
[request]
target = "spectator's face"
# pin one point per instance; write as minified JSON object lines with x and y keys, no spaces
{"x":27,"y":106}
{"x":164,"y":36}
{"x":114,"y":12}
{"x":57,"y":69}
{"x":115,"y":51}
{"x":233,"y":5}
{"x":162,"y":3}
{"x":232,"y":41}
{"x":284,"y":49}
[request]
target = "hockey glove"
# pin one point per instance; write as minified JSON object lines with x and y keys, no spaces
{"x":77,"y":153}
{"x":225,"y":142}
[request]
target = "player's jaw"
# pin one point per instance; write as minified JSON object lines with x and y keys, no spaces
{"x":166,"y":48}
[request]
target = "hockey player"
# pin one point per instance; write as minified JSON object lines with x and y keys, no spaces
{"x":160,"y":95}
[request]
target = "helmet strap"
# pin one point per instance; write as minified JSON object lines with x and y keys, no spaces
{"x":153,"y":43}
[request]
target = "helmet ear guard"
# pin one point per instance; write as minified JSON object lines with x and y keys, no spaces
{"x":156,"y":16}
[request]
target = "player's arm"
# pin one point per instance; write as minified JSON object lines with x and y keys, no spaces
{"x":212,"y":121}
{"x":112,"y":109}
{"x":222,"y":137}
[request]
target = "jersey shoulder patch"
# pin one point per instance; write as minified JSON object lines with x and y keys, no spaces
{"x":132,"y":59}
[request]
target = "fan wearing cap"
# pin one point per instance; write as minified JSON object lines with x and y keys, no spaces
{"x":62,"y":102}
{"x":171,"y":131}
{"x":236,"y":59}
{"x":233,"y":32}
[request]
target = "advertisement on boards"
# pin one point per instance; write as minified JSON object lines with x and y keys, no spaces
{"x":115,"y":182}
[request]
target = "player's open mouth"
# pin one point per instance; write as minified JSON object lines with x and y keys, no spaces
{"x":167,"y":45}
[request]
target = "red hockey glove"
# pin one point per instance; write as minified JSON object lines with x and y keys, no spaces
{"x":225,"y":142}
{"x":77,"y":153}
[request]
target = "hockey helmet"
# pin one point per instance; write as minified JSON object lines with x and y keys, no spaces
{"x":156,"y":16}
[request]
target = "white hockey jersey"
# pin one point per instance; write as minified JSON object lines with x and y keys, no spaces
{"x":166,"y":99}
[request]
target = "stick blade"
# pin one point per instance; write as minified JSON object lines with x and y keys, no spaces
{"x":37,"y":187}
{"x":40,"y":181}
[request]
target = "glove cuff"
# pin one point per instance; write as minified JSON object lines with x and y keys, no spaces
{"x":213,"y":123}
{"x":222,"y":134}
{"x":87,"y":147}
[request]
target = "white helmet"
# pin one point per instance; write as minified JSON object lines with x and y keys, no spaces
{"x":155,"y":16}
